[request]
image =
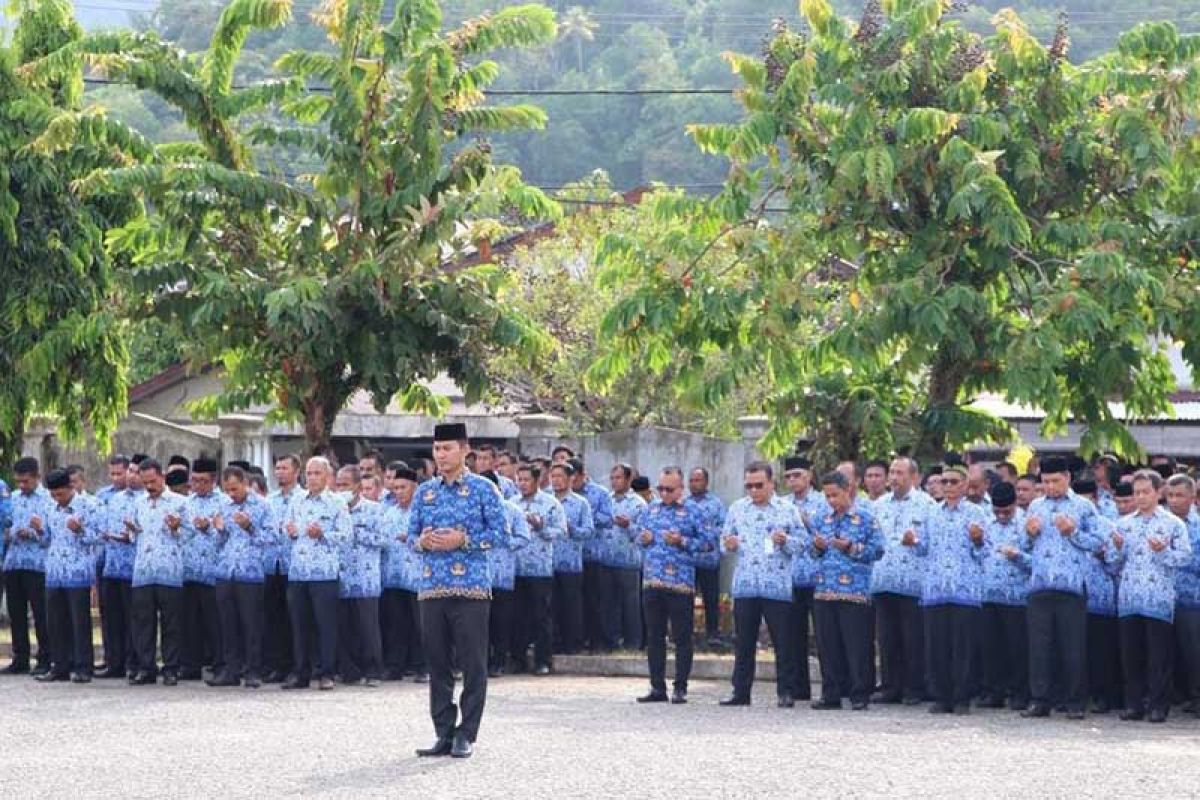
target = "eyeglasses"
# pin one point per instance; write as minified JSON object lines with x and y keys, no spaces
{"x":662,"y":489}
{"x":951,"y":481}
{"x":753,"y":485}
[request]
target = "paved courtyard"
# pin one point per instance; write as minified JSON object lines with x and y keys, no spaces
{"x":558,"y":737}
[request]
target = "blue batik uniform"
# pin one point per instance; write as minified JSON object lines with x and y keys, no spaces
{"x":665,"y":566}
{"x":28,"y":552}
{"x":1106,"y":504}
{"x":953,"y":573}
{"x":239,"y":550}
{"x":846,"y":576}
{"x":508,"y":487}
{"x":502,"y":559}
{"x":400,"y":564}
{"x":1187,"y":576}
{"x":361,"y":555}
{"x":70,"y":558}
{"x":709,"y":512}
{"x":318,"y":559}
{"x":160,"y":551}
{"x":1100,"y":579}
{"x":811,"y":506}
{"x":471,"y":504}
{"x":536,"y":559}
{"x":1059,"y":562}
{"x":900,"y":570}
{"x":568,"y":550}
{"x":1006,"y":580}
{"x":763,"y":568}
{"x":600,"y":503}
{"x":622,"y":551}
{"x":5,"y":507}
{"x":277,"y":558}
{"x":200,"y":553}
{"x":1147,"y":579}
{"x":119,"y":553}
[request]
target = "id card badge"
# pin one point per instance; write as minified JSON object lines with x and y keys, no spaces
{"x":768,"y":545}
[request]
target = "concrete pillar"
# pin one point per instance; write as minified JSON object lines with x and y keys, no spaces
{"x":539,"y":433}
{"x":752,"y":430}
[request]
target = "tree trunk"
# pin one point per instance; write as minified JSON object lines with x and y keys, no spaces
{"x":945,"y":380}
{"x":320,"y":412}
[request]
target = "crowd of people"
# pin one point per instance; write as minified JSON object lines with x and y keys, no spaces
{"x":1067,"y":586}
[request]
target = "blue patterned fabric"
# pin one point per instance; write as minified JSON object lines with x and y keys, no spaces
{"x":200,"y":552}
{"x":622,"y":551}
{"x":600,"y":502}
{"x":472,"y":504}
{"x":1100,"y":580}
{"x":804,"y":565}
{"x":1146,"y":586}
{"x":666,"y":566}
{"x":536,"y":559}
{"x":900,"y":571}
{"x":277,"y":558}
{"x":1187,"y":576}
{"x":362,"y":554}
{"x":1106,"y":504}
{"x":1059,"y":562}
{"x":26,"y":547}
{"x":5,"y":507}
{"x":568,"y":550}
{"x":317,"y":559}
{"x":764,"y":568}
{"x":160,"y":551}
{"x":953,"y":564}
{"x":846,"y":576}
{"x":709,"y":512}
{"x":239,"y":550}
{"x":502,"y":559}
{"x":508,"y":487}
{"x":1006,"y":580}
{"x":71,"y":556}
{"x":119,"y":548}
{"x":400,"y":564}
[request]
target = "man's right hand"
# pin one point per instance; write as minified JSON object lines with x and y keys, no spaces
{"x":819,"y":543}
{"x":731,"y":543}
{"x":1033,"y":526}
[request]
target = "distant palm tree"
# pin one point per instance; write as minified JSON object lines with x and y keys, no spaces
{"x":577,"y":24}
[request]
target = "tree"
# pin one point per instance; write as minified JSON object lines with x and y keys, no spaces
{"x":579,"y":27}
{"x":967,"y":215}
{"x":62,"y":352}
{"x":356,"y":281}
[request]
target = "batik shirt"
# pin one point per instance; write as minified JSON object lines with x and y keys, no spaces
{"x":568,"y":550}
{"x":709,"y":512}
{"x":200,"y":553}
{"x":160,"y":550}
{"x":953,"y":573}
{"x":401,"y":564}
{"x":1006,"y":580}
{"x":764,"y":568}
{"x":1187,"y":576}
{"x":317,"y":559}
{"x":70,"y":559}
{"x":119,"y":549}
{"x":28,"y":551}
{"x":901,"y":570}
{"x":600,"y":503}
{"x":1100,"y":580}
{"x":811,"y":506}
{"x":362,"y":554}
{"x":1060,"y":562}
{"x":1146,"y":586}
{"x":846,"y":576}
{"x":622,"y":551}
{"x":277,"y":558}
{"x":471,"y":504}
{"x":669,"y":566}
{"x":240,"y":550}
{"x":502,"y":559}
{"x":536,"y":559}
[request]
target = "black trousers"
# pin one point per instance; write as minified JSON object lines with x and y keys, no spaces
{"x":1058,"y":635}
{"x":534,"y":624}
{"x":950,"y":650}
{"x":800,"y":620}
{"x":568,"y":612}
{"x":400,"y":628}
{"x":360,"y":645}
{"x":240,"y":609}
{"x":277,"y":625}
{"x":455,"y":634}
{"x":843,"y":630}
{"x":69,"y":618}
{"x":116,"y":620}
{"x":708,"y":585}
{"x":624,"y":599}
{"x":199,"y":628}
{"x":900,"y":627}
{"x":26,"y":592}
{"x":748,"y":614}
{"x":1004,"y":643}
{"x":500,"y":626}
{"x":1148,"y":658}
{"x":1104,"y":659}
{"x":154,"y":607}
{"x":1187,"y":644}
{"x":674,"y":610}
{"x":313,"y":606}
{"x":595,"y":608}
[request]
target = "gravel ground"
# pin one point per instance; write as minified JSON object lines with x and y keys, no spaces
{"x":559,"y":737}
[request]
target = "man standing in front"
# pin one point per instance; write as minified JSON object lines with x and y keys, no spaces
{"x":199,"y":623}
{"x":455,"y":519}
{"x":25,"y":568}
{"x":277,"y":562}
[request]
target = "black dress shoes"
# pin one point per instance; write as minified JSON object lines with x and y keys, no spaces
{"x":141,"y":679}
{"x":441,"y":747}
{"x":52,"y":677}
{"x":170,"y":679}
{"x":678,"y":698}
{"x":734,"y":700}
{"x":110,"y":672}
{"x":653,"y":697}
{"x":16,"y":668}
{"x":80,"y":677}
{"x":1133,"y":715}
{"x":826,"y":705}
{"x":224,"y":679}
{"x":1158,"y":715}
{"x":1036,"y":710}
{"x":785,"y":701}
{"x":462,"y":747}
{"x":294,"y":683}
